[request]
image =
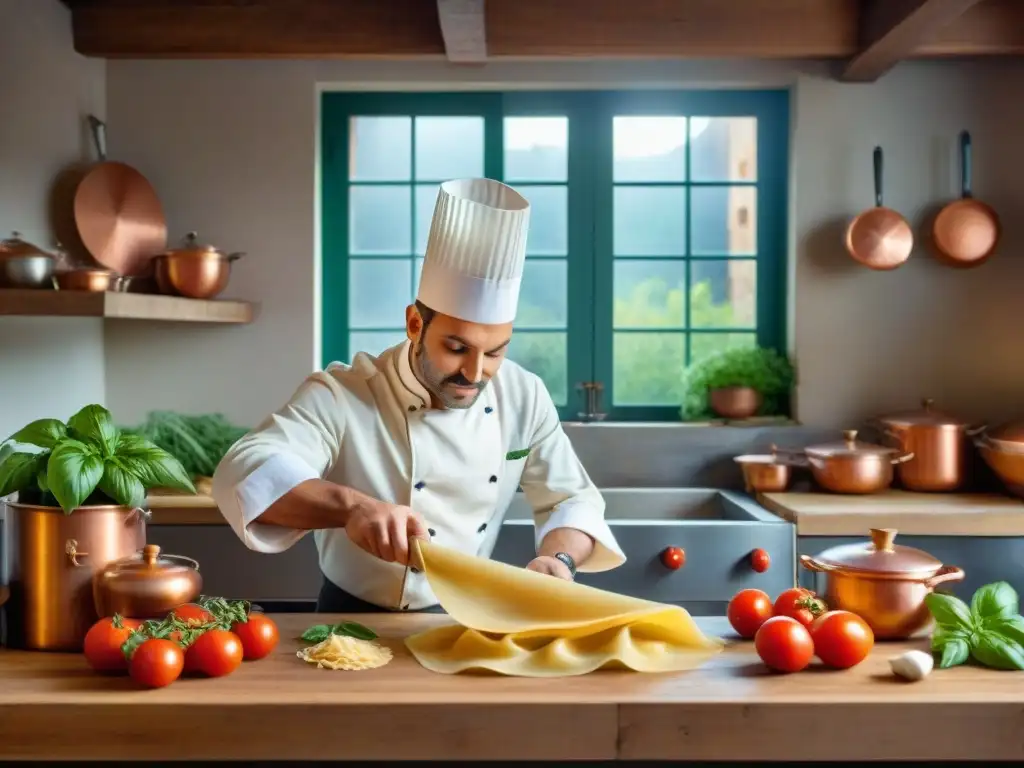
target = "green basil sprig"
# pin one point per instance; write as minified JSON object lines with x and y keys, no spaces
{"x":990,"y":631}
{"x":320,"y":632}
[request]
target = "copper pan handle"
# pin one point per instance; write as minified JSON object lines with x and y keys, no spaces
{"x":73,"y":553}
{"x":817,"y":566}
{"x":137,"y":515}
{"x":946,"y":573}
{"x":99,"y":136}
{"x":903,"y":458}
{"x":234,"y":256}
{"x":974,"y":430}
{"x":789,"y":456}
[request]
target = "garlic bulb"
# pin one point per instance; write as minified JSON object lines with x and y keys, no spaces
{"x":912,"y":665}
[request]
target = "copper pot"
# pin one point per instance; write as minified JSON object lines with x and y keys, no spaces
{"x":196,"y":271}
{"x":54,"y":559}
{"x":763,"y":473}
{"x":146,"y":585}
{"x":849,"y":466}
{"x":734,"y":402}
{"x":1002,"y":449}
{"x":882,"y":582}
{"x":939,"y":444}
{"x":90,"y":280}
{"x":23,"y":265}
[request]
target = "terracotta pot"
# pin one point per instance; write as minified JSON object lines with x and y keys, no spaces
{"x":146,"y":585}
{"x":734,"y":402}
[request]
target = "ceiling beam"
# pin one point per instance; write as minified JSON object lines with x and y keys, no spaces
{"x":463,"y":30}
{"x":892,"y":30}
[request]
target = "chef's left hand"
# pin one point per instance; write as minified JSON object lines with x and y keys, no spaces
{"x":551,"y":566}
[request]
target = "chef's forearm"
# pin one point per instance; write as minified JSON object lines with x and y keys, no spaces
{"x":575,"y":543}
{"x":315,"y":504}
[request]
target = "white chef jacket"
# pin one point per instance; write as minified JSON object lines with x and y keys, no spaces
{"x":369,"y":426}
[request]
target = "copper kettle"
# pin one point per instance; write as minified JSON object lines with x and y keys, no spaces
{"x":146,"y":585}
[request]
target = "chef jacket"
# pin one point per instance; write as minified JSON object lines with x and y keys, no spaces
{"x":369,"y":426}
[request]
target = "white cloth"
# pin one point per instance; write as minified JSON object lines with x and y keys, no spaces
{"x":369,"y":426}
{"x":476,"y":251}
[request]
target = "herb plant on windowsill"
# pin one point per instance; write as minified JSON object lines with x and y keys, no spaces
{"x":758,"y":375}
{"x":87,"y":461}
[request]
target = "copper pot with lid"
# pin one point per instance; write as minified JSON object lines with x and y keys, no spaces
{"x":848,"y":466}
{"x":1002,"y":448}
{"x":194,"y":270}
{"x":146,"y":585}
{"x":939,"y":443}
{"x":882,"y":582}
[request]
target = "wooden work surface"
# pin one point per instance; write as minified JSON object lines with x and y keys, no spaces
{"x":912,"y":514}
{"x":53,"y":706}
{"x":183,"y":509}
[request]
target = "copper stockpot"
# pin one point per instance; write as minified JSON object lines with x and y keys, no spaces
{"x":763,"y":473}
{"x":882,"y":582}
{"x":734,"y":402}
{"x":848,"y":466}
{"x":194,"y":270}
{"x":89,"y":279}
{"x":146,"y":585}
{"x":1002,"y":449}
{"x":54,"y":559}
{"x":939,"y":443}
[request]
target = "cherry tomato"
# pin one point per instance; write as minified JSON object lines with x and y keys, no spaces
{"x":214,"y":653}
{"x":103,"y":641}
{"x":258,"y":635}
{"x":784,"y":644}
{"x":841,"y":639}
{"x":156,"y":663}
{"x":800,"y":604}
{"x":673,"y":557}
{"x":760,"y":560}
{"x":191,"y":613}
{"x":748,"y":610}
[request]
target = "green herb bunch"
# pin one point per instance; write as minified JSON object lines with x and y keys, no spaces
{"x":760,"y":368}
{"x":990,"y":631}
{"x":198,"y":442}
{"x":85,"y":461}
{"x":225,"y":615}
{"x":320,"y":632}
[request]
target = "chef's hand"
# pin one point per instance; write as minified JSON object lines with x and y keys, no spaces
{"x":384,"y":530}
{"x":552,"y":566}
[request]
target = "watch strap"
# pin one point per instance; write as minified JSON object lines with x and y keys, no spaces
{"x":567,"y":561}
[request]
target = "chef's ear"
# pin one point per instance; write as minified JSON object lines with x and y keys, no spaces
{"x":413,"y":323}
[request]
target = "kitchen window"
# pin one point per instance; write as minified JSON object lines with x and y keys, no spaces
{"x":657,"y":227}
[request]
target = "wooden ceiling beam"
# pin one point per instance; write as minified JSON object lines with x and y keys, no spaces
{"x":463,"y":30}
{"x":892,"y":30}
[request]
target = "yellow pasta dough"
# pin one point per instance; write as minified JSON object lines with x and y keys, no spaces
{"x":517,"y":622}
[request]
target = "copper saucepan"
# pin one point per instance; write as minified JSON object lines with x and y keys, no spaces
{"x":195,"y":271}
{"x":967,"y":231}
{"x":879,"y":238}
{"x":848,"y":466}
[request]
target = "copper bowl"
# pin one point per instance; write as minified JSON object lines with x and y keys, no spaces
{"x":734,"y":402}
{"x":87,"y":279}
{"x":762,"y":473}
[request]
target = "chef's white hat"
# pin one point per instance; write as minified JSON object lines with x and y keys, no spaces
{"x":476,"y":251}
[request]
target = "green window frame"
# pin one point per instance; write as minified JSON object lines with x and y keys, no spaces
{"x":590,"y":258}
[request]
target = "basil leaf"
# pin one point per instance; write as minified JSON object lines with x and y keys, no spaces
{"x":73,"y":472}
{"x":18,"y":471}
{"x":1010,"y":627}
{"x":943,"y":635}
{"x":120,"y":485}
{"x":94,"y":425}
{"x":993,"y":601}
{"x":998,"y":652}
{"x":152,"y":465}
{"x":354,"y":629}
{"x":45,"y":433}
{"x":41,"y":477}
{"x":317,"y":633}
{"x":954,"y":653}
{"x":948,"y":610}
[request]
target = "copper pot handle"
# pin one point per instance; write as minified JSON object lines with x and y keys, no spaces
{"x":234,"y":256}
{"x":976,"y":429}
{"x":73,"y":553}
{"x":946,"y":573}
{"x":138,"y":515}
{"x":903,"y":458}
{"x":789,"y":456}
{"x":817,"y":566}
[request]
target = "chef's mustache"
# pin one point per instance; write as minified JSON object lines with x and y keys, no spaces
{"x":461,"y":381}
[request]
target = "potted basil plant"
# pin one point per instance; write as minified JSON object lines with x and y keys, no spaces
{"x":738,"y":383}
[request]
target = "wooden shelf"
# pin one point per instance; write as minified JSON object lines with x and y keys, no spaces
{"x":125,"y":306}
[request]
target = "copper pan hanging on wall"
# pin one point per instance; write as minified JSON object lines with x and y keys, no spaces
{"x":118,"y":214}
{"x":967,"y":231}
{"x":879,"y":238}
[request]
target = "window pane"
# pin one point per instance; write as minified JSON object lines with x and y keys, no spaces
{"x":380,"y":220}
{"x":649,"y":221}
{"x":536,"y":148}
{"x":426,"y":199}
{"x":544,"y":296}
{"x":373,"y":342}
{"x":649,"y":149}
{"x":545,"y":355}
{"x":649,"y":294}
{"x":723,"y":148}
{"x":380,"y":149}
{"x":723,"y":293}
{"x":647,"y":368}
{"x":449,"y":148}
{"x":549,"y":220}
{"x":724,"y":220}
{"x":704,"y":344}
{"x":378,"y":292}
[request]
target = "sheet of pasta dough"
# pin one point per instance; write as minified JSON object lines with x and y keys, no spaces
{"x":517,"y":622}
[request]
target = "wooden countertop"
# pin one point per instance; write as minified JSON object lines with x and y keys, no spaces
{"x":912,"y":514}
{"x":183,"y":509}
{"x":732,"y":708}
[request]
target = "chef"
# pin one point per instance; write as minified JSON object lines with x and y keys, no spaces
{"x":430,"y":439}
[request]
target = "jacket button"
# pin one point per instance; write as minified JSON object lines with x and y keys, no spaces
{"x":494,"y":478}
{"x":482,"y":528}
{"x":420,"y":485}
{"x":412,"y":408}
{"x":431,"y":531}
{"x":488,"y":409}
{"x":405,"y":607}
{"x":414,"y":570}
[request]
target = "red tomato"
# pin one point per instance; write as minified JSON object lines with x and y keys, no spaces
{"x":748,"y":610}
{"x":214,"y":653}
{"x":259,"y":636}
{"x":760,"y":560}
{"x":842,"y":639}
{"x":191,"y":613}
{"x":784,"y":644}
{"x":156,"y":663}
{"x":800,"y":604}
{"x":103,"y":643}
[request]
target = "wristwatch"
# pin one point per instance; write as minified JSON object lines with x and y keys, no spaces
{"x":567,"y":561}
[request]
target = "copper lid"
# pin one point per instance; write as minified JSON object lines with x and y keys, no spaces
{"x":849,"y":446}
{"x":15,"y":246}
{"x":881,"y":556}
{"x":925,"y":416}
{"x":192,"y":247}
{"x":149,"y":564}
